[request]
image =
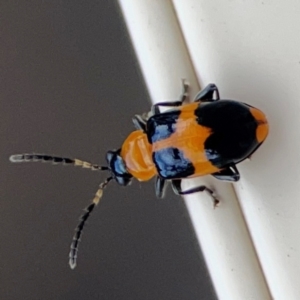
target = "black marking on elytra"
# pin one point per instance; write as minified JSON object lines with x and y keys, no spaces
{"x":171,"y":163}
{"x":233,"y":128}
{"x":162,"y":126}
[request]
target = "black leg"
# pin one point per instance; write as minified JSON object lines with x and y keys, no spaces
{"x":160,"y":187}
{"x":155,"y":108}
{"x":139,"y":122}
{"x":229,"y":174}
{"x":183,"y":97}
{"x":176,"y":185}
{"x":207,"y":94}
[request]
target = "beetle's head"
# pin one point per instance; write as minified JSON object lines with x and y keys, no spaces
{"x":117,"y":167}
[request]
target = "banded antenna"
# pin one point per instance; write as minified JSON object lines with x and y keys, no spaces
{"x":82,"y":220}
{"x":18,"y":158}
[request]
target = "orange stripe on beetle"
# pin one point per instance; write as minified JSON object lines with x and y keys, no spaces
{"x":189,"y":137}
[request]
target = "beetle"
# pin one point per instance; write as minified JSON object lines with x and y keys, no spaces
{"x":207,"y":136}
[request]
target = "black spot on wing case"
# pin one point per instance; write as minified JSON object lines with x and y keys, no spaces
{"x":233,"y":127}
{"x":161,"y":126}
{"x":171,"y":164}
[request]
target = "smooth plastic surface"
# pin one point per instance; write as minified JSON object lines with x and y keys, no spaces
{"x":164,"y":59}
{"x":252,"y":50}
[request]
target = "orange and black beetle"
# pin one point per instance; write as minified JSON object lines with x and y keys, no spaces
{"x":208,"y":136}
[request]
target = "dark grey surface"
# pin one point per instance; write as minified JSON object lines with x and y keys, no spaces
{"x":69,"y":86}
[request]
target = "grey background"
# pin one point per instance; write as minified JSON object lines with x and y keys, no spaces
{"x":69,"y":86}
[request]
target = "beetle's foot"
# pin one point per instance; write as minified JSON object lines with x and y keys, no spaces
{"x":216,"y":201}
{"x":185,"y":90}
{"x":185,"y":85}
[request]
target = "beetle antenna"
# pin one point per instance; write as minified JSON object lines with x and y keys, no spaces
{"x":17,"y":158}
{"x":82,"y":221}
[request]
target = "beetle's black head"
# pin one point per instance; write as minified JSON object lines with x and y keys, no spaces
{"x":117,"y":166}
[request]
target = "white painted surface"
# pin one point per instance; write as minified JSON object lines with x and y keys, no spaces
{"x":159,"y":42}
{"x":252,"y":49}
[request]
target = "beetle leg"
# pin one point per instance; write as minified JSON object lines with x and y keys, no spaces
{"x":183,"y":97}
{"x":176,"y":185}
{"x":160,"y":187}
{"x":229,"y":174}
{"x":185,"y":90}
{"x":155,"y":108}
{"x":139,"y":123}
{"x":207,"y":94}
